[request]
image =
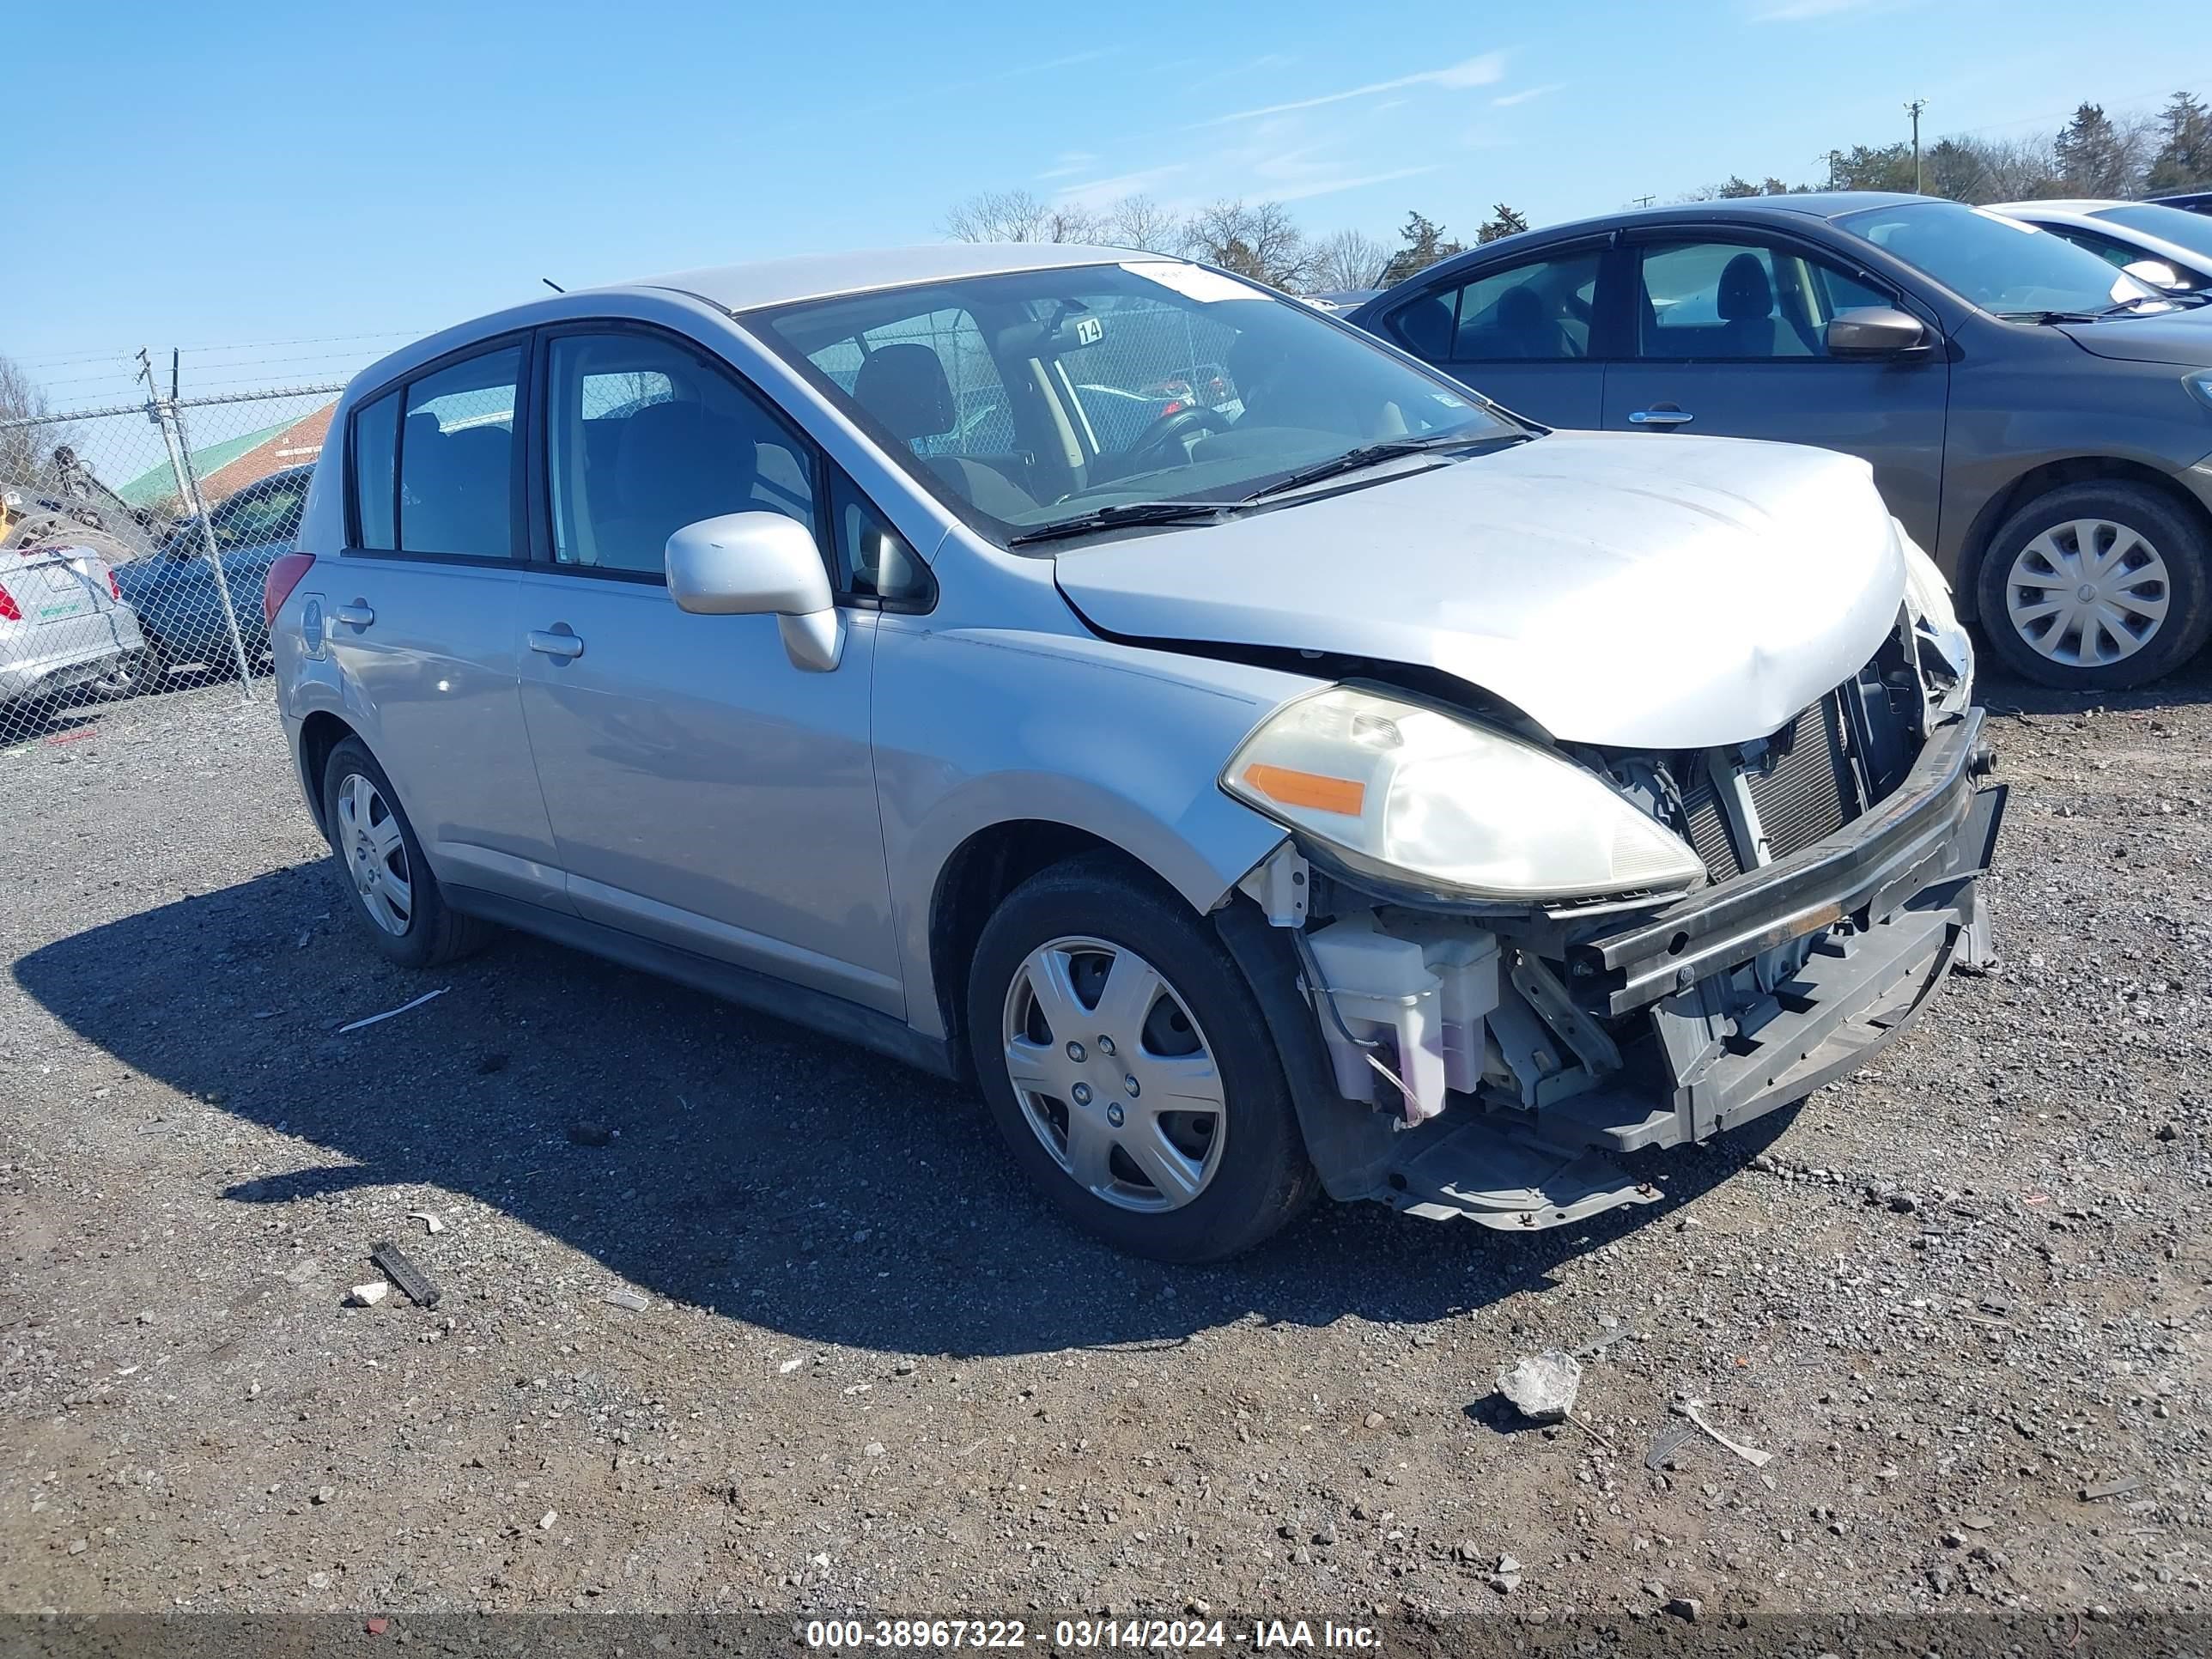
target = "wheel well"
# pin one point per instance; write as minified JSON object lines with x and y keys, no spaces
{"x":2054,"y":475}
{"x":982,"y":870}
{"x":319,"y":733}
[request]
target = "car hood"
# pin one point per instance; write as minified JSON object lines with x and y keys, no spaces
{"x":1629,"y":589}
{"x":2184,"y":339}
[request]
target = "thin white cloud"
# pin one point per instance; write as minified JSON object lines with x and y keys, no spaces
{"x":1485,"y":70}
{"x":1330,"y":186}
{"x":1102,"y":192}
{"x":1067,"y":164}
{"x":1526,"y":95}
{"x":1802,"y":11}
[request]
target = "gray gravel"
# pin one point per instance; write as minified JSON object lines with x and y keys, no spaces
{"x":871,"y":1371}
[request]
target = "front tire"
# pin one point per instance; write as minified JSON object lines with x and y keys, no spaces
{"x":2097,"y":586}
{"x":395,"y":898}
{"x":1129,"y":1070}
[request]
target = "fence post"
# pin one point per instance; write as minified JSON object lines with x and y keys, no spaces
{"x":165,"y":414}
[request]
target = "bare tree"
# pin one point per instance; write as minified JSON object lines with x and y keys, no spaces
{"x":24,"y":450}
{"x":1259,"y":240}
{"x":1349,"y":258}
{"x":1018,"y":216}
{"x":1138,"y":222}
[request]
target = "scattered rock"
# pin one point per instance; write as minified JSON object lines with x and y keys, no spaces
{"x":1688,"y":1608}
{"x":368,"y":1295}
{"x":1542,"y":1387}
{"x":623,"y":1297}
{"x":545,"y":1521}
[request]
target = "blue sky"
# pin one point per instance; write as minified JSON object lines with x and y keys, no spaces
{"x":304,"y":187}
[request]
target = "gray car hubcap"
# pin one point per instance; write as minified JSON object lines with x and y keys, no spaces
{"x":1113,"y":1075}
{"x":2088,"y":593}
{"x":375,"y":854}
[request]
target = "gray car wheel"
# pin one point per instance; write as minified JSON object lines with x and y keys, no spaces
{"x":394,"y":895}
{"x":2096,"y":586}
{"x":1129,"y":1068}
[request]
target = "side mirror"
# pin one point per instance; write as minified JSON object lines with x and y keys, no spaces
{"x":1873,"y":332}
{"x":759,"y":564}
{"x":2156,"y":272}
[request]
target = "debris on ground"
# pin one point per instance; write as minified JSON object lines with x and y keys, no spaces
{"x":1505,"y":1576}
{"x":1687,"y":1608}
{"x":1751,"y":1455}
{"x":399,"y":1267}
{"x":389,"y":1012}
{"x":430,"y":1223}
{"x":305,"y":1269}
{"x":1542,"y":1386}
{"x":2119,"y":1488}
{"x":623,"y":1296}
{"x":1666,"y":1443}
{"x":368,"y":1295}
{"x":591,"y":1135}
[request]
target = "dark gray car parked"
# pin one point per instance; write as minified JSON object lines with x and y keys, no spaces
{"x":2039,"y":422}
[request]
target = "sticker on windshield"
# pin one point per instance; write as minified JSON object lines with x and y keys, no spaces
{"x":1089,"y":331}
{"x":1448,"y":400}
{"x":1194,"y":281}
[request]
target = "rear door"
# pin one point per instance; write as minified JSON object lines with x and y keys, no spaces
{"x":1729,"y":340}
{"x":421,"y":613}
{"x":1531,"y":333}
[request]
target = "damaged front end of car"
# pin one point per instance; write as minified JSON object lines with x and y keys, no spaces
{"x":1511,"y":963}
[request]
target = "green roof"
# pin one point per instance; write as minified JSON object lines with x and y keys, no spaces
{"x":160,"y":482}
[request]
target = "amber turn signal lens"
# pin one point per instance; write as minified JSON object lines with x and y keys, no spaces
{"x":1296,"y":789}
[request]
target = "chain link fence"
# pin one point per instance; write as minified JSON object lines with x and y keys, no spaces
{"x":134,"y":541}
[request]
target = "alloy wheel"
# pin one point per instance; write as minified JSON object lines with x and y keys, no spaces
{"x":375,"y":854}
{"x":2088,"y":593}
{"x":1113,"y":1075}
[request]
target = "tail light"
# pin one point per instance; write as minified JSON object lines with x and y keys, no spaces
{"x":1175,"y":406}
{"x":114,"y":587}
{"x":283,"y":576}
{"x":10,"y":610}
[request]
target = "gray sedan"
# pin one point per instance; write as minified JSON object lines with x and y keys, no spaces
{"x":2041,"y":421}
{"x":1332,"y":783}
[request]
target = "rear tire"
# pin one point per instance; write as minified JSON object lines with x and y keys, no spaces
{"x":137,"y":673}
{"x":2097,"y":586}
{"x":394,"y":896}
{"x":1206,"y":1178}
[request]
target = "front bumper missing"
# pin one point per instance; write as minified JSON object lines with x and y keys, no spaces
{"x":1894,"y":893}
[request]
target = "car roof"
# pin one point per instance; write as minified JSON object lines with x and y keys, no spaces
{"x":1807,"y":204}
{"x":818,"y":275}
{"x":2079,"y":206}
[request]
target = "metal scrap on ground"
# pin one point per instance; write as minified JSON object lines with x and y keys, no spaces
{"x":400,"y":1268}
{"x":389,"y":1012}
{"x":1750,"y":1455}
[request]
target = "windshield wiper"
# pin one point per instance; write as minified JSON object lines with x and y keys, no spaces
{"x":1369,"y":455}
{"x":1116,"y":514}
{"x":2118,"y":308}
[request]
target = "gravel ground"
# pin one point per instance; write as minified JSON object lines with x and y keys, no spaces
{"x":871,"y":1372}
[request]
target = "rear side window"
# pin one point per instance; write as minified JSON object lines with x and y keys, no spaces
{"x":457,"y":457}
{"x":1541,"y":312}
{"x":375,"y":446}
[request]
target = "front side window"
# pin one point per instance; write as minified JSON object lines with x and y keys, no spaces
{"x":1740,"y":300}
{"x":1996,"y":262}
{"x":643,"y":437}
{"x":456,"y":453}
{"x":1540,"y":311}
{"x":1053,"y":395}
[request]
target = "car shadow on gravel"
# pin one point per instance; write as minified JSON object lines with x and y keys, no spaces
{"x":700,"y":1153}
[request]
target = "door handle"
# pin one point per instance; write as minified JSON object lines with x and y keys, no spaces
{"x":556,"y":642}
{"x":356,"y":615}
{"x":1661,"y":414}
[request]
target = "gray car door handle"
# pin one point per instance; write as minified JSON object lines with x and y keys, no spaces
{"x":1662,"y":415}
{"x":355,"y":615}
{"x":559,"y":643}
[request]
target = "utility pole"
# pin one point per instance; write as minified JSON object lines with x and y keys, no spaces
{"x":1834,"y":156}
{"x":1913,"y":109}
{"x":1640,"y":201}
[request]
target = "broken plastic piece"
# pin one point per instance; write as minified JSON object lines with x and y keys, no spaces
{"x":430,"y":1223}
{"x":389,"y":1012}
{"x":623,"y":1296}
{"x":403,"y":1272}
{"x":1750,"y":1455}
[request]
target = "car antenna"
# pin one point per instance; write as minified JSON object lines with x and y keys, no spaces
{"x":550,"y":283}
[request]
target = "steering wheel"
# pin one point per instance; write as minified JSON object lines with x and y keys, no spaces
{"x":1170,"y":435}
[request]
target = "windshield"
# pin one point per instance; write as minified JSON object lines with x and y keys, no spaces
{"x":1039,"y":398}
{"x":1999,"y":263}
{"x":2192,"y":231}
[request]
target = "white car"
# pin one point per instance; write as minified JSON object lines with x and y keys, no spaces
{"x":63,"y":627}
{"x":2164,"y":247}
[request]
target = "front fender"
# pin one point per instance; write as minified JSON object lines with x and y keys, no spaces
{"x":978,"y":727}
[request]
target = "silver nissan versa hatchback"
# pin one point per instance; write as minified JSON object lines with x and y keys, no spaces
{"x":1259,"y":764}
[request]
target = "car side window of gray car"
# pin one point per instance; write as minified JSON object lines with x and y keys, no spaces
{"x":644,"y":436}
{"x":457,"y":457}
{"x":373,"y":444}
{"x":1540,"y":311}
{"x":1740,"y":301}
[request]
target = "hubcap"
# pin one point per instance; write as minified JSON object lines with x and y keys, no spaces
{"x":375,"y":854}
{"x":1135,"y":1114}
{"x":2088,"y":593}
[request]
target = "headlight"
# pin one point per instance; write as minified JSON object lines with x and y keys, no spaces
{"x":1404,"y":790}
